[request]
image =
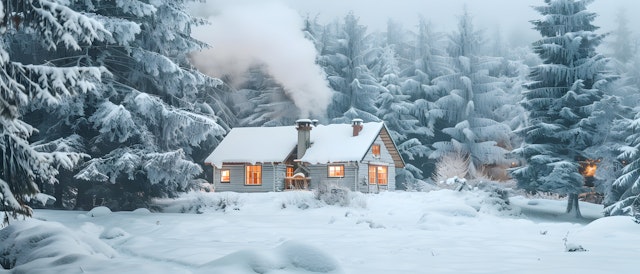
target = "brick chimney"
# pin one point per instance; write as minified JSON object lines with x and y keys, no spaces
{"x":357,"y":126}
{"x":304,"y":136}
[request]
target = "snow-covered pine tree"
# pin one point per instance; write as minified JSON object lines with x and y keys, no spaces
{"x":395,"y":109}
{"x":474,"y":93}
{"x":561,"y":100}
{"x":622,"y":46}
{"x":148,"y":114}
{"x":345,"y":59}
{"x":625,"y":190}
{"x":24,"y":164}
{"x":626,"y":62}
{"x":428,"y":61}
{"x":261,"y":101}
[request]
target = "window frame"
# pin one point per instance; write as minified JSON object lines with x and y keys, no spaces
{"x":248,"y":175}
{"x":289,"y":174}
{"x":376,"y":150}
{"x":340,"y":168}
{"x":375,"y":171}
{"x":222,"y":176}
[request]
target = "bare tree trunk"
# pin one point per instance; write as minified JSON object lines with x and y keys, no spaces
{"x":573,"y":204}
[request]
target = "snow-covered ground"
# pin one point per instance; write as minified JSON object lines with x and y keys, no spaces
{"x":396,"y":232}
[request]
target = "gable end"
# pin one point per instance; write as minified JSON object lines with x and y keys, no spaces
{"x":391,"y":147}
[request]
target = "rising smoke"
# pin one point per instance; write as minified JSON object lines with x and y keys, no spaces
{"x":246,"y":34}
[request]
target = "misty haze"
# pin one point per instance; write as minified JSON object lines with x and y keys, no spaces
{"x":319,"y":136}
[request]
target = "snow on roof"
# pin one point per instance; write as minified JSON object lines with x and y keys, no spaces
{"x":336,"y":143}
{"x":255,"y":145}
{"x":329,"y":143}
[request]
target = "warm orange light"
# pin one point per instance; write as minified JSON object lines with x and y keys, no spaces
{"x":589,"y":168}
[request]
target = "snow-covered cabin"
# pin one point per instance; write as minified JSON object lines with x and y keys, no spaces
{"x":360,"y":156}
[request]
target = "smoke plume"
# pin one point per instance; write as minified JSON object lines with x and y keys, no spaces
{"x":268,"y":33}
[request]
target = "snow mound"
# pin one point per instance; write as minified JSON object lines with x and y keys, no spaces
{"x":141,"y":211}
{"x":99,"y":211}
{"x":290,"y":257}
{"x":114,"y":232}
{"x":35,"y":246}
{"x":604,"y":226}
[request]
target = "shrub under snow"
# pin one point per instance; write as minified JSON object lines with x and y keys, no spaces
{"x":290,"y":257}
{"x":99,"y":211}
{"x":42,"y":244}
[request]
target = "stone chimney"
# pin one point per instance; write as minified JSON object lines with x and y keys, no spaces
{"x":304,"y":136}
{"x":357,"y":126}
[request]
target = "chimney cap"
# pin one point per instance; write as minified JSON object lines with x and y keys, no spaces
{"x":303,"y":121}
{"x":356,"y":121}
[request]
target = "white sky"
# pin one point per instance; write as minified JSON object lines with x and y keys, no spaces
{"x":511,"y":16}
{"x":507,"y":13}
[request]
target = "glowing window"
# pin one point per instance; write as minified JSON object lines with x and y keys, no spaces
{"x":289,"y":171}
{"x":225,"y":176}
{"x":375,"y":150}
{"x":336,"y":171}
{"x":378,"y":175}
{"x":253,"y":175}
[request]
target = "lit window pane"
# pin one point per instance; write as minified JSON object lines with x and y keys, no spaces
{"x":225,"y":176}
{"x":253,"y":175}
{"x":336,"y":171}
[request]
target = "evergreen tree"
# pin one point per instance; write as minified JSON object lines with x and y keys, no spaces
{"x":345,"y":59}
{"x":622,"y":46}
{"x":395,"y":109}
{"x":262,"y":102}
{"x":469,"y":109}
{"x":147,"y":115}
{"x":25,"y":165}
{"x":562,"y":100}
{"x":625,"y":190}
{"x":428,"y":61}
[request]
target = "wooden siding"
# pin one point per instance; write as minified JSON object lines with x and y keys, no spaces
{"x":320,"y":174}
{"x":272,"y":178}
{"x":385,"y":158}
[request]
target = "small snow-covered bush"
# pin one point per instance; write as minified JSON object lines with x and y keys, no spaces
{"x":333,"y":193}
{"x":198,"y":202}
{"x":297,"y":199}
{"x":572,"y":247}
{"x":34,"y":243}
{"x":450,"y":166}
{"x":99,"y":211}
{"x":454,"y":183}
{"x":290,"y":257}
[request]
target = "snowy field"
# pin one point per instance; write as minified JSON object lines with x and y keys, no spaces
{"x":397,"y":232}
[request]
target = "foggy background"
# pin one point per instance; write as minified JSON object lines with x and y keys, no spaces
{"x":510,"y":16}
{"x":267,"y":33}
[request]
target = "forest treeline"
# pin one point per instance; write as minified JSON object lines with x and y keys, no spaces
{"x":100,"y":104}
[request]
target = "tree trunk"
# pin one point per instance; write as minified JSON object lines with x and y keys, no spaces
{"x":573,"y":204}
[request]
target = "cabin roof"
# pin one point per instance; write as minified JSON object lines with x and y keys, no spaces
{"x":329,"y":143}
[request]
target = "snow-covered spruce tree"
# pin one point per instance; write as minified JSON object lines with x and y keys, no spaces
{"x":626,"y":189}
{"x":560,"y":101}
{"x":149,"y":119}
{"x":474,"y":93}
{"x":429,"y":61}
{"x":622,"y":46}
{"x":24,"y":164}
{"x":626,"y":62}
{"x":263,"y":102}
{"x":395,"y":109}
{"x":345,"y":59}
